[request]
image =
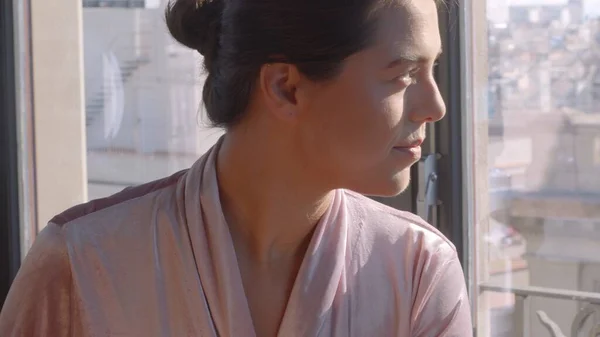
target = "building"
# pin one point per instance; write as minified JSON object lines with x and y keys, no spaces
{"x":571,"y":13}
{"x":140,"y":97}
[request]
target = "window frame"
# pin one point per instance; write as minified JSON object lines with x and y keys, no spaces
{"x":10,"y":237}
{"x":450,"y":216}
{"x":454,"y":138}
{"x":18,"y":203}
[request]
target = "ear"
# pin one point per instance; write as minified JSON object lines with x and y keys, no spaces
{"x":279,"y":87}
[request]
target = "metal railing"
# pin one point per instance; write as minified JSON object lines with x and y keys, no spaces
{"x":589,"y":304}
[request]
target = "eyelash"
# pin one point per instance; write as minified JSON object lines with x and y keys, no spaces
{"x":409,"y":77}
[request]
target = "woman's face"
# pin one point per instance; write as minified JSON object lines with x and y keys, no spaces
{"x":362,"y":130}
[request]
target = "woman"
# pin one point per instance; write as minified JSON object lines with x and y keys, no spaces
{"x":268,"y":234}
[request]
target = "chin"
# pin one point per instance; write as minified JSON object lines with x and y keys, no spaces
{"x":385,"y":186}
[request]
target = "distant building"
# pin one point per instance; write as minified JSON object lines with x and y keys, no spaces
{"x":553,"y":202}
{"x":537,"y":14}
{"x":576,"y":11}
{"x":571,"y":13}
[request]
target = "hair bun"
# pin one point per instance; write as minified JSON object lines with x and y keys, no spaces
{"x":196,"y":24}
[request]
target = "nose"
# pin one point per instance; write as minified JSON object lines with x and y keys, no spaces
{"x":426,"y":103}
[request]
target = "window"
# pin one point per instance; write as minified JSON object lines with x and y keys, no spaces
{"x":531,"y":149}
{"x":10,"y":218}
{"x":128,"y":93}
{"x":142,"y":93}
{"x":517,"y":157}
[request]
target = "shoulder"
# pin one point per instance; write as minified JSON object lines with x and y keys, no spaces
{"x":123,"y":202}
{"x":53,"y":245}
{"x":48,"y":256}
{"x":118,"y":221}
{"x":41,"y":290}
{"x":379,"y":222}
{"x":399,"y":242}
{"x":397,"y":252}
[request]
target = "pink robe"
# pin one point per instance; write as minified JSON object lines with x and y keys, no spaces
{"x":158,"y":260}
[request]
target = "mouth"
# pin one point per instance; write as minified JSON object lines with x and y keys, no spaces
{"x":409,"y":145}
{"x":413,"y":148}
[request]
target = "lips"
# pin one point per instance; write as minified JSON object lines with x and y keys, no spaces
{"x":410,"y":145}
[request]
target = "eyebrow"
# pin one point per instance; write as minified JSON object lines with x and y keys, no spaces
{"x":412,"y":58}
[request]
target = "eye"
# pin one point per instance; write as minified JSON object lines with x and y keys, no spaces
{"x":408,"y":78}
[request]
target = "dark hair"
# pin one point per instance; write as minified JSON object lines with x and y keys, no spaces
{"x":237,"y":37}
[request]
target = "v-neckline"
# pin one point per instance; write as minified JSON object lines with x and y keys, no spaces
{"x":314,"y":287}
{"x":318,"y":277}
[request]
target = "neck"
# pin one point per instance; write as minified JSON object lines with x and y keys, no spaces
{"x":269,"y":203}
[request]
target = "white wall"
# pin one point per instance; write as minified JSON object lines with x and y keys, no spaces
{"x":160,"y":100}
{"x":151,"y":123}
{"x":58,"y":99}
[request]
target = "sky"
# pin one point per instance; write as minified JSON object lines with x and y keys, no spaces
{"x":592,"y":7}
{"x":498,"y":9}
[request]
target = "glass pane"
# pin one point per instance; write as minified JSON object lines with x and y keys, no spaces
{"x":142,"y":97}
{"x":538,"y":227}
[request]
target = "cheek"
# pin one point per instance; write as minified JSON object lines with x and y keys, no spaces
{"x":374,"y":116}
{"x":352,"y":124}
{"x":393,"y":106}
{"x":364,"y":124}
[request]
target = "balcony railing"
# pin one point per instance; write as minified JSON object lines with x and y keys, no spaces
{"x":589,"y":304}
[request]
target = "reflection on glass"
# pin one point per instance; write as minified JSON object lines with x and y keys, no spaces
{"x":142,"y":95}
{"x":544,"y":172}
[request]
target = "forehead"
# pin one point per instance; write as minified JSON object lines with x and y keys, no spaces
{"x":410,"y":27}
